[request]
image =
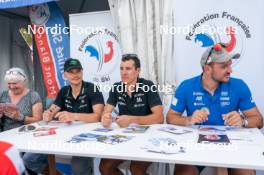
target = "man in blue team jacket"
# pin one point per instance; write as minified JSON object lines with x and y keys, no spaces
{"x":214,"y":98}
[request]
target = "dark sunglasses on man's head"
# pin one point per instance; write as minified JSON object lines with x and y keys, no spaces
{"x":213,"y":48}
{"x":236,"y":56}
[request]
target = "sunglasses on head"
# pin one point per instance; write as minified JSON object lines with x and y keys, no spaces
{"x":216,"y":47}
{"x":14,"y":72}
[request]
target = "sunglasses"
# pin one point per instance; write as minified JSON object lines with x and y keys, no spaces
{"x":26,"y":128}
{"x":213,"y":48}
{"x":14,"y":72}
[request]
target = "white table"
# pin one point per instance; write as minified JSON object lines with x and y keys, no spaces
{"x":240,"y":154}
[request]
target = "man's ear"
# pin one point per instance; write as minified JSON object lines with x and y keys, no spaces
{"x":64,"y":75}
{"x":138,"y":69}
{"x":206,"y":68}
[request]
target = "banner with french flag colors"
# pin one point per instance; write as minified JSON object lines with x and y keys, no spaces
{"x":97,"y":46}
{"x":52,"y":40}
{"x":194,"y":26}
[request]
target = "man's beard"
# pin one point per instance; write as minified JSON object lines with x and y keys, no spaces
{"x":223,"y":80}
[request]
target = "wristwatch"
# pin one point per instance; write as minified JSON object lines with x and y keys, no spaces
{"x":245,"y":123}
{"x":245,"y":120}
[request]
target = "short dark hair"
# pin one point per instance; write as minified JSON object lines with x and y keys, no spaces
{"x":133,"y":57}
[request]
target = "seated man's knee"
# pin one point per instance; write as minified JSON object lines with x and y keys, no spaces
{"x":185,"y":170}
{"x":139,"y":168}
{"x":104,"y":166}
{"x":232,"y":171}
{"x":82,"y":165}
{"x":107,"y":166}
{"x":35,"y":162}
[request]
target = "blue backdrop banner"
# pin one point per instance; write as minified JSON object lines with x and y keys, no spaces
{"x":20,"y":3}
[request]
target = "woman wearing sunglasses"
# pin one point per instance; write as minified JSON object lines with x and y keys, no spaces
{"x":19,"y":106}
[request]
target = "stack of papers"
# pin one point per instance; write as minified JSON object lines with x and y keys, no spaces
{"x":135,"y":128}
{"x":214,"y":134}
{"x":216,"y":129}
{"x":103,"y":129}
{"x":173,"y":130}
{"x":56,"y":123}
{"x":114,"y":139}
{"x":109,"y":139}
{"x":84,"y":137}
{"x":213,"y":138}
{"x":164,"y":146}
